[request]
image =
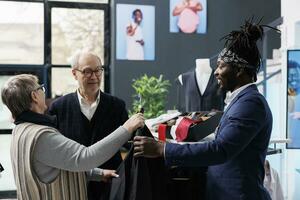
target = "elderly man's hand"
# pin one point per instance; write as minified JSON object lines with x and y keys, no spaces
{"x":148,"y":147}
{"x":108,"y":175}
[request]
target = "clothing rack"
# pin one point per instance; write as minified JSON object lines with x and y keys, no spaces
{"x":274,"y":150}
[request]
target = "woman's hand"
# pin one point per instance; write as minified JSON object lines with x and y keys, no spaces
{"x":134,"y":122}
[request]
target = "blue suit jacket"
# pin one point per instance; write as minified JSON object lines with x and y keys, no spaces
{"x":236,"y":156}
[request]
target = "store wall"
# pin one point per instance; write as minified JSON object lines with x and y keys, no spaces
{"x":175,"y":53}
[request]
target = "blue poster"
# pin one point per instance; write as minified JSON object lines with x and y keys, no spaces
{"x":135,"y":30}
{"x":188,"y":16}
{"x":293,"y":98}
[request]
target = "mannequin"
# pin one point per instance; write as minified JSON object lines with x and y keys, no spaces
{"x":198,"y":89}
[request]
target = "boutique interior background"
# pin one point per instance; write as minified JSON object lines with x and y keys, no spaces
{"x":45,"y":49}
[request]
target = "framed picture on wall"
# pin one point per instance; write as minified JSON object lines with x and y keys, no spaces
{"x":135,"y":32}
{"x":293,"y":98}
{"x":188,"y":16}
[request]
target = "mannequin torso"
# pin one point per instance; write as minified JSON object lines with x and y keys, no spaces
{"x":203,"y":73}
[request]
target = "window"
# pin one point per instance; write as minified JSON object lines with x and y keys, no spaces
{"x":6,"y":121}
{"x":39,"y":36}
{"x":22,"y":33}
{"x":74,"y":29}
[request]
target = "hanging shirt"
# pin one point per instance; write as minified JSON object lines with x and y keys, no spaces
{"x":272,"y":184}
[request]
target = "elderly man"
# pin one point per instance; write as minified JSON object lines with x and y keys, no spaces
{"x":47,"y":165}
{"x":235,"y":159}
{"x":88,"y":115}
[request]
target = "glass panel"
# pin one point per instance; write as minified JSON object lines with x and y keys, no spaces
{"x":74,"y":29}
{"x":84,"y":1}
{"x":6,"y":121}
{"x":7,"y":182}
{"x":63,"y":82}
{"x":22,"y":33}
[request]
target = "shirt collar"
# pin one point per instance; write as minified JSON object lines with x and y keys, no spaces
{"x":82,"y":100}
{"x":231,"y":95}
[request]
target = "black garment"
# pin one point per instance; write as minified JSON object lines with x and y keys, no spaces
{"x":1,"y":168}
{"x":109,"y":115}
{"x":36,"y":118}
{"x":140,"y":178}
{"x":190,"y":98}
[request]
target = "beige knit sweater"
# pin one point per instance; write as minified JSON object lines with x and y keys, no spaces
{"x":66,"y":186}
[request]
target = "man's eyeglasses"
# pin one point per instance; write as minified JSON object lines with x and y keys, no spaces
{"x":88,"y":72}
{"x":41,"y":87}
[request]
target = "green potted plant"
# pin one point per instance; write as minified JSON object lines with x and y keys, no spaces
{"x":150,"y":94}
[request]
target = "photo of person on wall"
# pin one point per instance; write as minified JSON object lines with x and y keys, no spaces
{"x":135,"y":39}
{"x":293,"y":98}
{"x":135,"y":32}
{"x":188,"y":16}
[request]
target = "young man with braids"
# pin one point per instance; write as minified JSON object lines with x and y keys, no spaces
{"x":235,"y":158}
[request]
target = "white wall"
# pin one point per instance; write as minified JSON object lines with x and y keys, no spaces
{"x":290,"y":40}
{"x":291,"y":14}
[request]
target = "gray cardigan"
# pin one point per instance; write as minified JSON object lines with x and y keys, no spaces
{"x":53,"y":151}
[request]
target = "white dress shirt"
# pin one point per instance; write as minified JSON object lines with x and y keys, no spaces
{"x":230,"y":96}
{"x":86,"y":109}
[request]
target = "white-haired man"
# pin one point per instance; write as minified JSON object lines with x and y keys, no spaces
{"x":88,"y":114}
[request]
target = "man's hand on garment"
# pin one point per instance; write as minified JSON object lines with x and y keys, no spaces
{"x":108,"y":175}
{"x":148,"y":147}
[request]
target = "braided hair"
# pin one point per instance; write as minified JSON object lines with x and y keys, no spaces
{"x":242,"y":44}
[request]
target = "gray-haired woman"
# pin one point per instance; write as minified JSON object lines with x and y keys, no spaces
{"x":46,"y":164}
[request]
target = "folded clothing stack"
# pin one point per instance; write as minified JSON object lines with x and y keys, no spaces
{"x":190,"y":127}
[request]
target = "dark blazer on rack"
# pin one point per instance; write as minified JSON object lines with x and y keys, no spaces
{"x":236,"y":156}
{"x":72,"y":123}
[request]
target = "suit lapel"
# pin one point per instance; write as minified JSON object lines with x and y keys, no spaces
{"x":100,"y":114}
{"x":76,"y":107}
{"x":245,"y":91}
{"x":102,"y":107}
{"x":196,"y":83}
{"x":79,"y":131}
{"x":209,"y":83}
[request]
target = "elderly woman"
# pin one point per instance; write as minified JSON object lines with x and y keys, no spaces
{"x":46,"y":164}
